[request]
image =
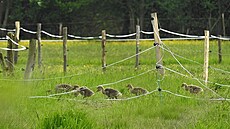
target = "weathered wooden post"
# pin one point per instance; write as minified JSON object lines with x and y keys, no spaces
{"x":10,"y":54}
{"x":219,"y":50}
{"x":16,"y":39}
{"x":223,"y":24}
{"x":39,"y":25}
{"x":60,"y":29}
{"x":137,"y":45}
{"x":65,"y":49}
{"x":157,"y":43}
{"x":103,"y":42}
{"x":206,"y":56}
{"x":2,"y":63}
{"x":31,"y":59}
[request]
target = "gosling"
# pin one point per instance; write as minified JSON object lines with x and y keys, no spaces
{"x":77,"y":92}
{"x":192,"y":88}
{"x":136,"y":90}
{"x":109,"y":92}
{"x":85,"y":92}
{"x":63,"y":88}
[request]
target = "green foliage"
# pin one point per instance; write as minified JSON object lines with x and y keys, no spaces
{"x":67,"y":120}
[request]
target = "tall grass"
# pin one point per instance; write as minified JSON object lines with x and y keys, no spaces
{"x":157,"y":110}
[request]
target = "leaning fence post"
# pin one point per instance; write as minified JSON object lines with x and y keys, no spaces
{"x":31,"y":59}
{"x":65,"y":49}
{"x":39,"y":45}
{"x":103,"y":42}
{"x":16,"y":38}
{"x":10,"y":55}
{"x":219,"y":50}
{"x":137,"y":45}
{"x":206,"y":56}
{"x":157,"y":43}
{"x":2,"y":62}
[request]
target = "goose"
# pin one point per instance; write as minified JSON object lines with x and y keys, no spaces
{"x":192,"y":88}
{"x":136,"y":90}
{"x":77,"y":92}
{"x":63,"y":88}
{"x":109,"y":92}
{"x":85,"y":92}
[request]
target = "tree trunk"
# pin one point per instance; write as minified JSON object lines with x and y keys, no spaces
{"x":1,"y":11}
{"x":6,"y":13}
{"x":132,"y":21}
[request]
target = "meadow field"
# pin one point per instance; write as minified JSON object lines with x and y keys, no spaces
{"x":173,"y":107}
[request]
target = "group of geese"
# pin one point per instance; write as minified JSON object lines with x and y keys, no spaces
{"x":113,"y":93}
{"x":86,"y":92}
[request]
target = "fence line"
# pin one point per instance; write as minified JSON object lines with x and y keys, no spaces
{"x":18,"y":49}
{"x":123,"y":99}
{"x":130,"y":57}
{"x":107,"y":84}
{"x":188,"y":97}
{"x":80,"y":73}
{"x":183,"y":35}
{"x":123,"y":36}
{"x":217,"y":69}
{"x":187,"y":70}
{"x":129,"y":98}
{"x":191,"y":73}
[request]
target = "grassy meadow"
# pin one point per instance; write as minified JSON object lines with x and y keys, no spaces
{"x":155,"y":110}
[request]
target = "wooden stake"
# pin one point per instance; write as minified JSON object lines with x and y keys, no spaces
{"x":103,"y":42}
{"x":10,"y":56}
{"x":17,"y":32}
{"x":65,"y":49}
{"x":16,"y":39}
{"x":223,"y":24}
{"x":31,"y":59}
{"x":157,"y":41}
{"x":219,"y":50}
{"x":60,"y":29}
{"x":206,"y":56}
{"x":2,"y":62}
{"x":39,"y":25}
{"x":137,"y":45}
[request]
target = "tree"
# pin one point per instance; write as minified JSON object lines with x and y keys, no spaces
{"x":4,"y":11}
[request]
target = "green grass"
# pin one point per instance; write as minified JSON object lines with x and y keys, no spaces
{"x":157,"y":110}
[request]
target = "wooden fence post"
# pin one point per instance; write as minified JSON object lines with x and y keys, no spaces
{"x":223,"y":24}
{"x":39,"y":45}
{"x":60,"y":29}
{"x":2,"y":62}
{"x":137,"y":45}
{"x":16,"y":39}
{"x":219,"y":50}
{"x":206,"y":56}
{"x":31,"y":59}
{"x":157,"y":43}
{"x":65,"y":49}
{"x":103,"y":42}
{"x":10,"y":54}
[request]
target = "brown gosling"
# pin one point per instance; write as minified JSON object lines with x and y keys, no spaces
{"x":136,"y":90}
{"x":109,"y":92}
{"x":63,"y":88}
{"x":85,"y":92}
{"x":77,"y":92}
{"x":192,"y":88}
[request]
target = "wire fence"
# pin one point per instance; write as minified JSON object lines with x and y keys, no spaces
{"x":128,"y":36}
{"x":164,"y":47}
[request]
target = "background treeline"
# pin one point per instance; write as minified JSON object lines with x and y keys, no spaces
{"x":89,"y":17}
